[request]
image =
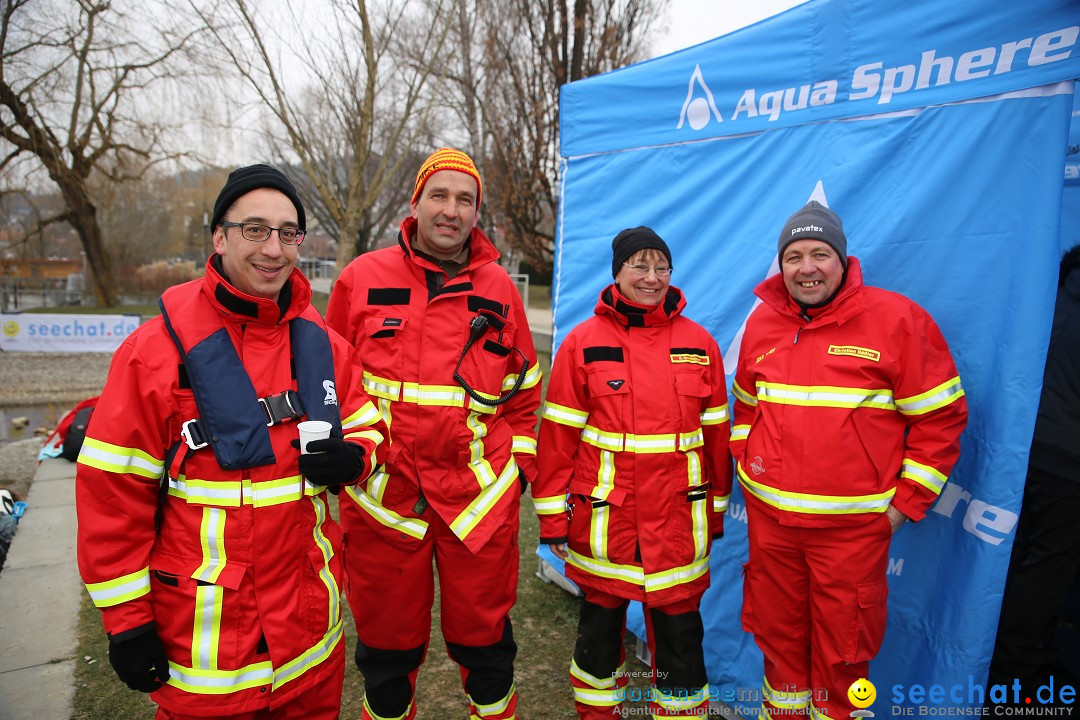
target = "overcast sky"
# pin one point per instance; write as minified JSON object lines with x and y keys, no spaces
{"x":690,"y":22}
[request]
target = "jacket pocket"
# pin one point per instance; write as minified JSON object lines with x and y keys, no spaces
{"x":491,"y":364}
{"x":179,"y":598}
{"x":868,"y":626}
{"x":381,"y":352}
{"x":693,"y":391}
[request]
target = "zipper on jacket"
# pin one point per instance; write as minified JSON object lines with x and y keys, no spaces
{"x":798,"y":330}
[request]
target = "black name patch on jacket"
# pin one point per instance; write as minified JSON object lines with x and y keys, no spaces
{"x":599,"y":353}
{"x":695,"y":356}
{"x":388,"y":296}
{"x":477,"y":303}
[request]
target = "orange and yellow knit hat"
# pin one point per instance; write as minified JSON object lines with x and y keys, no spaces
{"x":447,"y":159}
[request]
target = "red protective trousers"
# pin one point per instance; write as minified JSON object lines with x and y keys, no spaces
{"x":391,"y":592}
{"x":815,"y":599}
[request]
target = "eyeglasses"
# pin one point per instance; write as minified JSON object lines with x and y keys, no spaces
{"x":261,"y":233}
{"x":660,"y":270}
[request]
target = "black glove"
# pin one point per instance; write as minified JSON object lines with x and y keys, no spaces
{"x":331,"y":461}
{"x":140,"y":660}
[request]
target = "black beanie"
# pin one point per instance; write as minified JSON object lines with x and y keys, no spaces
{"x":631,"y":240}
{"x":817,"y":222}
{"x":243,"y":180}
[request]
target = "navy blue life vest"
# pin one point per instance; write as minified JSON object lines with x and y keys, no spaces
{"x":232,"y":419}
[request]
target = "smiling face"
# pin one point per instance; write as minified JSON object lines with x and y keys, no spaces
{"x":812,"y":270}
{"x":862,"y":693}
{"x":446,"y":212}
{"x":257,"y":268}
{"x":643,"y":289}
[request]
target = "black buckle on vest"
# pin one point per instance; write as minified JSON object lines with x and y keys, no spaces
{"x":281,"y":408}
{"x":192,"y":433}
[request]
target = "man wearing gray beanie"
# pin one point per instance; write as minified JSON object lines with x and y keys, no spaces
{"x":848,"y":413}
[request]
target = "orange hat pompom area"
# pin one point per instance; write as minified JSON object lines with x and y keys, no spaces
{"x":447,"y":159}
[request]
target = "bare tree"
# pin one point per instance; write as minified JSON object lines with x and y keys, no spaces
{"x":77,"y":82}
{"x":351,"y":123}
{"x":515,"y":55}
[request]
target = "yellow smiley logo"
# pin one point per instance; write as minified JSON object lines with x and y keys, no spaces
{"x":862,"y":693}
{"x":11,"y":328}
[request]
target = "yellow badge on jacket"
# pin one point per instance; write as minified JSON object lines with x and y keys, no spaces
{"x":689,"y":358}
{"x":855,"y":351}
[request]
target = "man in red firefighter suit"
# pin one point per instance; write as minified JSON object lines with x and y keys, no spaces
{"x":449,"y":357}
{"x":635,"y":431}
{"x":848,"y":414}
{"x":204,"y":534}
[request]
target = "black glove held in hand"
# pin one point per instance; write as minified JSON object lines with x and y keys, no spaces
{"x":140,"y":661}
{"x":331,"y":461}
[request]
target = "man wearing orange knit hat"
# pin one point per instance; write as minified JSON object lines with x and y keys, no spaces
{"x":448,"y":356}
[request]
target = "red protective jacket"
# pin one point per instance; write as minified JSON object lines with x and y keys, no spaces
{"x":838,"y":417}
{"x":635,"y":429}
{"x":410,"y":323}
{"x":244,"y":578}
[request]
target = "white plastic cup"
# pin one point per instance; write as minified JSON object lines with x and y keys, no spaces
{"x":312,"y":430}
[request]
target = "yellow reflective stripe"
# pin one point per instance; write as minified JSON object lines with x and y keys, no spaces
{"x":554,"y":505}
{"x":690,"y":440}
{"x":649,"y":444}
{"x":385,"y":411}
{"x":677,"y":576}
{"x":413,"y":527}
{"x":495,"y":708}
{"x":118,"y":459}
{"x":925,"y":475}
{"x":720,"y":503}
{"x":471,"y":516}
{"x":699,"y":509}
{"x":478,"y":462}
{"x":602,"y":568}
{"x":532,"y":376}
{"x":402,"y":716}
{"x":612,"y":442}
{"x":206,"y":630}
{"x":234,"y":493}
{"x":715,"y":415}
{"x":598,"y":698}
{"x":204,"y":681}
{"x":793,"y":700}
{"x":126,"y":587}
{"x":309,"y":658}
{"x":818,"y":504}
{"x":524,"y":445}
{"x":825,"y":396}
{"x":433,"y":395}
{"x":945,"y":393}
{"x":739,"y":432}
{"x":605,"y":476}
{"x":564,"y":415}
{"x":598,"y":530}
{"x":593,"y":681}
{"x":741,"y":394}
{"x":381,"y":387}
{"x":374,"y":436}
{"x":683,"y":701}
{"x":367,"y":414}
{"x":212,"y":540}
{"x":326,"y":549}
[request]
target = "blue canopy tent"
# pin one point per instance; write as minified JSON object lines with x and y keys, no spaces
{"x":937,"y":130}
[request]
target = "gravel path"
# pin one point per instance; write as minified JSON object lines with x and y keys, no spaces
{"x":38,"y":379}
